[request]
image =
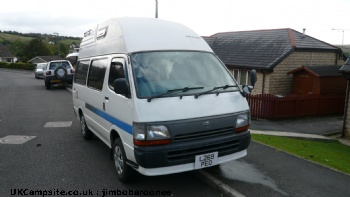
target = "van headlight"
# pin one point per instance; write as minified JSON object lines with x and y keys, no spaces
{"x":148,"y":135}
{"x":242,"y":122}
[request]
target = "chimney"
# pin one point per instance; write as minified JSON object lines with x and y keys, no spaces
{"x":303,"y":36}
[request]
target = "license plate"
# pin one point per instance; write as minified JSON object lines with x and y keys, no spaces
{"x":206,"y":160}
{"x":56,"y":81}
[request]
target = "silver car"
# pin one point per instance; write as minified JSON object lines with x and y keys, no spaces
{"x":39,"y":70}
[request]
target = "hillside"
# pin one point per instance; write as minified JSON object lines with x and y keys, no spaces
{"x":20,"y":44}
{"x":345,"y":49}
{"x":7,"y":38}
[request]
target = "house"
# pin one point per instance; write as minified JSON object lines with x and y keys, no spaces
{"x":42,"y":59}
{"x":345,"y":70}
{"x":5,"y":55}
{"x":273,"y":53}
{"x":320,"y":80}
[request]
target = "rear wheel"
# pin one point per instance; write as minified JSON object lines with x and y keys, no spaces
{"x":47,"y":85}
{"x":124,"y":171}
{"x":87,"y":134}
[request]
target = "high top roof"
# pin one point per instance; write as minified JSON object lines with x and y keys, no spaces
{"x":127,"y":35}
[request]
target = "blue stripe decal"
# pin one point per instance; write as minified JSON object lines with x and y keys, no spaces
{"x":109,"y":118}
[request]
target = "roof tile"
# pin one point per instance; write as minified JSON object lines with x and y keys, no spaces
{"x":261,"y":49}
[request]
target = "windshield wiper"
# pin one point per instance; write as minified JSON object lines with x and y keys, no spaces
{"x":185,"y":89}
{"x":215,"y":88}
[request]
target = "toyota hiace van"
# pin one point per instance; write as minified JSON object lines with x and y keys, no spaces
{"x":156,"y":94}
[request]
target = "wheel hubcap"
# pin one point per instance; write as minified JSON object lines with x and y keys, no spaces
{"x":118,"y":160}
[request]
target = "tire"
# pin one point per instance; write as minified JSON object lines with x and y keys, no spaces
{"x":61,"y":73}
{"x":85,"y":131}
{"x":124,"y":171}
{"x":47,"y":85}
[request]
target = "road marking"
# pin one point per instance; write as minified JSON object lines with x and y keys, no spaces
{"x":58,"y":124}
{"x":226,"y":189}
{"x":16,"y":139}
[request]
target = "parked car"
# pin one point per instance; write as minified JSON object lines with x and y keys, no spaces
{"x":39,"y":70}
{"x":58,"y":72}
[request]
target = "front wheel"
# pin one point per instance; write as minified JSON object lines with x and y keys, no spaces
{"x":124,"y":171}
{"x":87,"y":134}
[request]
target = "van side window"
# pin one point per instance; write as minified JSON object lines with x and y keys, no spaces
{"x":116,"y":71}
{"x":81,"y":72}
{"x":97,"y":74}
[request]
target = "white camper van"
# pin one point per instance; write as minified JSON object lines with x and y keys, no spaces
{"x":157,"y":95}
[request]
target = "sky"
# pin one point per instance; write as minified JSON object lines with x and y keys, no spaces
{"x":326,"y":20}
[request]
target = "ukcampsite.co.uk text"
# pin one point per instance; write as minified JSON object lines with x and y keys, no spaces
{"x":89,"y":192}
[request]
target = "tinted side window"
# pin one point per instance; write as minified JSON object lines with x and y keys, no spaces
{"x":81,"y":72}
{"x":97,"y":74}
{"x":116,"y":71}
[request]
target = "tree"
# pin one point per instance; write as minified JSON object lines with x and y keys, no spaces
{"x":36,"y":47}
{"x":16,"y":49}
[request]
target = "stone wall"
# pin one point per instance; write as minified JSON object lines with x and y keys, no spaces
{"x":259,"y":83}
{"x":280,"y":83}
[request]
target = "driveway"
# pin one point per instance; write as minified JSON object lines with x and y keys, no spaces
{"x":321,"y":125}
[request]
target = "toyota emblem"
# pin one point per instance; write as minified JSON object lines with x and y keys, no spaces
{"x":206,"y":124}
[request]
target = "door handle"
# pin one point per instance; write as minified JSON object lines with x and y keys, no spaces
{"x":104,"y":107}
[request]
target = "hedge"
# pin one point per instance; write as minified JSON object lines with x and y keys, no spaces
{"x":24,"y":66}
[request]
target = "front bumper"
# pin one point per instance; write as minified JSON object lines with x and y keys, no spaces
{"x":39,"y":74}
{"x":188,"y":166}
{"x":185,"y":152}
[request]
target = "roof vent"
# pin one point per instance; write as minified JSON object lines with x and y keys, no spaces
{"x":303,"y":36}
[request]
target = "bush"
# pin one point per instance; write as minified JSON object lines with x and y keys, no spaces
{"x":24,"y":66}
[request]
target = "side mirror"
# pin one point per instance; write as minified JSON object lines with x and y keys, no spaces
{"x":248,"y":89}
{"x":121,"y":86}
{"x":253,"y":77}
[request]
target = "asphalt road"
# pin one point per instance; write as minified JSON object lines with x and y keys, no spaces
{"x":268,"y":172}
{"x":58,"y":159}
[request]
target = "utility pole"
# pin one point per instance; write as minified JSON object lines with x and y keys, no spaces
{"x":341,"y":30}
{"x":156,"y":8}
{"x":58,"y":39}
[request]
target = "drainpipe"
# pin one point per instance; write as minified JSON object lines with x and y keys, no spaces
{"x":263,"y":83}
{"x":346,"y":107}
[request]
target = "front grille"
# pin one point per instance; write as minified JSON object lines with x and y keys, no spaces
{"x":188,"y":155}
{"x":203,"y":134}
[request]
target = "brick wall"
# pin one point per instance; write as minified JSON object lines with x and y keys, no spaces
{"x":258,"y":84}
{"x":280,"y":83}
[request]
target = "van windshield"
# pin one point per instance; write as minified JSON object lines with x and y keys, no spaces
{"x":158,"y":74}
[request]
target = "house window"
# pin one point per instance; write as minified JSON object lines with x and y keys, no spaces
{"x":242,"y":76}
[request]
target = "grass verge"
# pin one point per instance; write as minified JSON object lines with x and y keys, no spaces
{"x":332,"y":154}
